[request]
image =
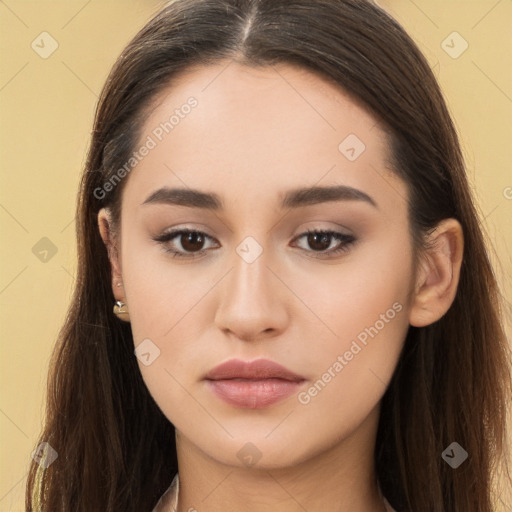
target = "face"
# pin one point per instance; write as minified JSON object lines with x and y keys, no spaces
{"x":317,"y":281}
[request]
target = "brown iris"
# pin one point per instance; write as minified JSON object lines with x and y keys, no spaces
{"x":319,"y":241}
{"x":190,"y":241}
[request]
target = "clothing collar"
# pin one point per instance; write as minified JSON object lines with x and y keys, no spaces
{"x":169,"y":501}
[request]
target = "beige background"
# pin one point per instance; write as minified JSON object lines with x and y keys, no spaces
{"x":46,"y":108}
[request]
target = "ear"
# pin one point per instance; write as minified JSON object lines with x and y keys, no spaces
{"x":438,"y":274}
{"x":107,"y":235}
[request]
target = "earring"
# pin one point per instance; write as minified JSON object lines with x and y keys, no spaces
{"x":120,"y":283}
{"x":121,"y":310}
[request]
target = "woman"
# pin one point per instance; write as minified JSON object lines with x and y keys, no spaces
{"x":283,"y":292}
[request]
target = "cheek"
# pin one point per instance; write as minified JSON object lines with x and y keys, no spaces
{"x":362,"y":305}
{"x":166,"y":308}
{"x":160,"y":292}
{"x":351,"y":295}
{"x":365,"y":305}
{"x":164,"y":301}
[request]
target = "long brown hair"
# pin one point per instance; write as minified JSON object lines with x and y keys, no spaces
{"x":116,"y":449}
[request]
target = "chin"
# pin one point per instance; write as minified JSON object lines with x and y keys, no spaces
{"x":257,"y":452}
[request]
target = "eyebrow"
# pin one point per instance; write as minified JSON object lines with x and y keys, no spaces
{"x":295,"y":198}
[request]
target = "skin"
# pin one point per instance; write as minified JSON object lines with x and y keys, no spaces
{"x":255,"y":134}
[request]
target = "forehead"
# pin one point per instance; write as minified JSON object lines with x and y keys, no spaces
{"x":233,"y":129}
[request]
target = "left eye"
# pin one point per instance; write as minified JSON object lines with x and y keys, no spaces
{"x":192,"y":242}
{"x":321,"y":241}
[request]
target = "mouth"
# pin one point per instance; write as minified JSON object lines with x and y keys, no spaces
{"x":252,"y":385}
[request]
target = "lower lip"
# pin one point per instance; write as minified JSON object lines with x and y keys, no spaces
{"x":253,"y":394}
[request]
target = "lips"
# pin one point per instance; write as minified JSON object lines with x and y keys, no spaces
{"x":254,"y":384}
{"x":259,"y":369}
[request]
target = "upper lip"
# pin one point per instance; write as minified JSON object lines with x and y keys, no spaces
{"x":258,"y":369}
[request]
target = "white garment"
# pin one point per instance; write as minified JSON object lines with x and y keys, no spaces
{"x":169,"y":500}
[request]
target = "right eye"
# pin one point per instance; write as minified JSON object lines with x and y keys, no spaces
{"x":189,"y":243}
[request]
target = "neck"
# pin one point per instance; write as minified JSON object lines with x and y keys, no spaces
{"x":341,"y":478}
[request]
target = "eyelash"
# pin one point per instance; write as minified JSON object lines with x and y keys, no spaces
{"x":346,"y":242}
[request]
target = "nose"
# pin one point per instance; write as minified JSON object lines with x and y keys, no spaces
{"x":252,"y":304}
